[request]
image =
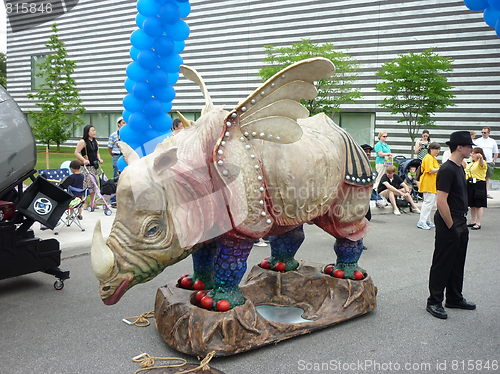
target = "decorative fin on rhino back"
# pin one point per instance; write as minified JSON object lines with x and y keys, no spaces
{"x":269,"y":114}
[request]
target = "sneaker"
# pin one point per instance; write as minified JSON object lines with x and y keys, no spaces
{"x":416,"y":210}
{"x":423,"y":226}
{"x":489,"y":196}
{"x":430,"y":224}
{"x":397,"y":213}
{"x":260,"y":243}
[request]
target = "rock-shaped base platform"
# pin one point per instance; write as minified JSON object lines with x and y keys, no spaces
{"x":325,"y":300}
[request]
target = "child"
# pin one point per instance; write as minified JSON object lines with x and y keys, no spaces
{"x":411,"y":177}
{"x":76,"y":186}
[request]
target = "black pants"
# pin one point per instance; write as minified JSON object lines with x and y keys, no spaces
{"x":448,"y":262}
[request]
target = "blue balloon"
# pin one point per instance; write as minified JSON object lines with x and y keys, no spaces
{"x":136,"y":72}
{"x":162,"y":123}
{"x":185,"y":8}
{"x":178,"y":31}
{"x":142,"y":91}
{"x":476,"y":5}
{"x":173,"y":78}
{"x":129,"y":86}
{"x":164,"y":94}
{"x":153,"y":27}
{"x":141,"y":40}
{"x":179,"y":46}
{"x":153,"y":108}
{"x":182,"y":1}
{"x":138,"y":122}
{"x":121,"y":163}
{"x":170,"y":13}
{"x":495,"y":4}
{"x":167,"y":107}
{"x":491,"y":16}
{"x":171,"y":63}
{"x":132,"y":103}
{"x":139,"y":20}
{"x":130,"y":136}
{"x":126,"y":115}
{"x":148,"y":59}
{"x":164,"y":46}
{"x":134,"y":53}
{"x":150,"y":134}
{"x":157,"y":78}
{"x":148,"y":8}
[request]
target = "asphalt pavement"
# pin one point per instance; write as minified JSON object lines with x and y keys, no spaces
{"x":71,"y":331}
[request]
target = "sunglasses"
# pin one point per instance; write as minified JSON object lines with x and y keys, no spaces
{"x":483,"y":132}
{"x":384,"y":136}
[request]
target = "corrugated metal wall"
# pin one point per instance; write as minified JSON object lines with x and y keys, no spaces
{"x":227,"y":41}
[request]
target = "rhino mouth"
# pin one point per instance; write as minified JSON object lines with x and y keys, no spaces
{"x":113,"y":299}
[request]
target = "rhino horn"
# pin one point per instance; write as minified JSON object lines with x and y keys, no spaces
{"x":193,"y":76}
{"x":102,"y":258}
{"x":129,"y":155}
{"x":184,"y":120}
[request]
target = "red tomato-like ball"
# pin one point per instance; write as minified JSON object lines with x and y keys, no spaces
{"x":200,"y":295}
{"x":187,"y":283}
{"x":265,"y":264}
{"x":329,"y":269}
{"x":338,"y":273}
{"x":184,"y":275}
{"x":199,"y":285}
{"x":223,"y":305}
{"x":280,"y":266}
{"x":358,"y":275}
{"x":207,"y":302}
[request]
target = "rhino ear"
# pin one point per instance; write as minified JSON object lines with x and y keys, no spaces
{"x":165,"y":160}
{"x":129,"y":155}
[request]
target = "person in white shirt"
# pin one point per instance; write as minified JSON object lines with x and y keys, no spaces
{"x":490,"y":149}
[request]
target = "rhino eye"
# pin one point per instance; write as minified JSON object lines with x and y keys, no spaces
{"x":153,"y":230}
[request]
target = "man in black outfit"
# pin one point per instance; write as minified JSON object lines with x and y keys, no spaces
{"x":452,"y":235}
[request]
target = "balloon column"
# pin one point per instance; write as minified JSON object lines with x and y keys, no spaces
{"x":156,"y":46}
{"x":491,"y":10}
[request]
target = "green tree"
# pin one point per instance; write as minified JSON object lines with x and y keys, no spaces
{"x":3,"y":69}
{"x":58,"y":99}
{"x":332,"y":91}
{"x":415,"y":87}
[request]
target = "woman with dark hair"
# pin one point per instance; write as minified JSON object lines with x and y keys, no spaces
{"x":88,"y":146}
{"x":422,"y":144}
{"x":429,"y":168}
{"x":476,"y":187}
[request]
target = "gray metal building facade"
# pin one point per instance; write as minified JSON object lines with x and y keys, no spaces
{"x":227,"y":42}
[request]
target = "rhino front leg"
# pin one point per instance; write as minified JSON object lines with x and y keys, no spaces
{"x":348,"y":253}
{"x":230,"y":266}
{"x":203,"y":263}
{"x":285,"y":246}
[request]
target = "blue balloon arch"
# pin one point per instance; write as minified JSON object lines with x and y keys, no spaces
{"x":490,"y":9}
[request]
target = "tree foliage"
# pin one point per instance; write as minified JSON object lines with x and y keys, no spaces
{"x":3,"y":70}
{"x":332,"y":91}
{"x":415,"y":88}
{"x":58,"y":98}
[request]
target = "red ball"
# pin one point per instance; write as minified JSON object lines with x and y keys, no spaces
{"x":338,"y":273}
{"x":358,"y":275}
{"x":199,"y":285}
{"x":329,"y":269}
{"x":200,"y":295}
{"x":223,"y":305}
{"x":187,"y":283}
{"x":207,"y":302}
{"x":184,"y":275}
{"x":280,"y":266}
{"x":265,"y":264}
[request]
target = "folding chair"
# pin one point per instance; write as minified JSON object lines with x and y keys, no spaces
{"x":70,"y":215}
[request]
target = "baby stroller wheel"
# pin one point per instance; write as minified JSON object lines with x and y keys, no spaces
{"x":107,"y":212}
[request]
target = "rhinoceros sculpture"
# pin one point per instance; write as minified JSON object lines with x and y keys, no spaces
{"x":265,"y":168}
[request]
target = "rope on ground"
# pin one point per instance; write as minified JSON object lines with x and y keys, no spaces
{"x":146,"y":362}
{"x":140,"y":321}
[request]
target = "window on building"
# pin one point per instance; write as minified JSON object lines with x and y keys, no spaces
{"x":36,"y":82}
{"x":359,"y":125}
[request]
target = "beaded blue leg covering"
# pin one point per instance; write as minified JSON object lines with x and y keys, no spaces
{"x":284,"y":247}
{"x":203,"y":263}
{"x":348,"y":253}
{"x":230,"y":266}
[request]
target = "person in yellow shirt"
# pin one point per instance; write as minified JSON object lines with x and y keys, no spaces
{"x":430,"y":167}
{"x":476,"y":187}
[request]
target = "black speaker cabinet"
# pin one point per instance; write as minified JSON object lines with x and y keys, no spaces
{"x":44,"y":202}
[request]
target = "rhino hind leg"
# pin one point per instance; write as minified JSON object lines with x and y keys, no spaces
{"x":285,"y":246}
{"x":348,"y":253}
{"x":230,"y":266}
{"x":203,"y":263}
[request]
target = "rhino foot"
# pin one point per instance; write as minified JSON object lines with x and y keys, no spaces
{"x":223,"y":299}
{"x":273,"y":263}
{"x":195,"y":282}
{"x":350,"y":271}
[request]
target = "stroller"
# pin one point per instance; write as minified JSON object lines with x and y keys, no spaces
{"x":101,"y":197}
{"x":71,"y":214}
{"x":404,"y":173}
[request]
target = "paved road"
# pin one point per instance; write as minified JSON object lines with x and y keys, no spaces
{"x":71,"y":331}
